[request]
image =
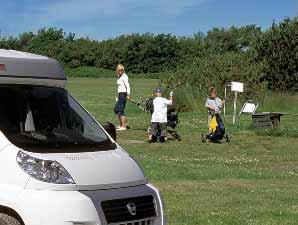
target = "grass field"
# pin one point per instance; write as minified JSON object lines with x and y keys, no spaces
{"x":252,"y":180}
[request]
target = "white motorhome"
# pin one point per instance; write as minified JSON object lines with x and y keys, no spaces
{"x":58,"y":166}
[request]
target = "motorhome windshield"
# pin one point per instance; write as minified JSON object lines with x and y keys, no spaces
{"x":45,"y":119}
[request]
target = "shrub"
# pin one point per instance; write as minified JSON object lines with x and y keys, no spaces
{"x":277,"y":50}
{"x":217,"y":70}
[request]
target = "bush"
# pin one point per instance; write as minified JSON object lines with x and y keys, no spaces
{"x":86,"y":71}
{"x":194,"y":80}
{"x":277,"y":50}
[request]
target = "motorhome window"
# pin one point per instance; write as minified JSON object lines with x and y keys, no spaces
{"x":45,"y":119}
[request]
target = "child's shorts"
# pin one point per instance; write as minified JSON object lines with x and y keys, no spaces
{"x":155,"y":127}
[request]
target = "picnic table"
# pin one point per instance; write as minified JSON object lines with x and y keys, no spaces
{"x":267,"y":119}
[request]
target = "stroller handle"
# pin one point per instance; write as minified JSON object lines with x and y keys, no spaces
{"x":138,"y":104}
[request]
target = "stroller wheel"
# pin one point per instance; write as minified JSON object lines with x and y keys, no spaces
{"x":228,"y":138}
{"x":204,"y":139}
{"x":177,"y":136}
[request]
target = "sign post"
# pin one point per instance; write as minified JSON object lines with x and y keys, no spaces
{"x":227,"y":85}
{"x":236,"y":87}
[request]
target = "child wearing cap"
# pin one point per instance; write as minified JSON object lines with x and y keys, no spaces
{"x":159,"y":116}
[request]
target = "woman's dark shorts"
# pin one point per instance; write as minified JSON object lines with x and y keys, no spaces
{"x":120,"y":104}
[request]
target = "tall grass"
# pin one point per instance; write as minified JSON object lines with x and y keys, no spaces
{"x":286,"y":103}
{"x":280,"y":102}
{"x":270,"y":102}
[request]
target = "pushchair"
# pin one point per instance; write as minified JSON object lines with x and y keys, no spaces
{"x":172,"y":117}
{"x":217,"y":130}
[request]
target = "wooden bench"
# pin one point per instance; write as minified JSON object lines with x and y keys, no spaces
{"x":267,"y":120}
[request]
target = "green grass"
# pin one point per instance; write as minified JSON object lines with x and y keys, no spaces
{"x":280,"y":102}
{"x":252,"y":180}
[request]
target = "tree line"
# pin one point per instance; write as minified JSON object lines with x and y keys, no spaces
{"x":263,"y":59}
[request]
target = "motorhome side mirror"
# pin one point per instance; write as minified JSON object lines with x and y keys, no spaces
{"x":111,"y":129}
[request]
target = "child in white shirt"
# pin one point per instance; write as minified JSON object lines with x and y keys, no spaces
{"x":159,"y":116}
{"x":213,"y":103}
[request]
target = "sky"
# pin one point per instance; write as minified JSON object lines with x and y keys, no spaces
{"x":103,"y":19}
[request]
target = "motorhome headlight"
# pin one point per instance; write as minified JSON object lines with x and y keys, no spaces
{"x":44,"y":170}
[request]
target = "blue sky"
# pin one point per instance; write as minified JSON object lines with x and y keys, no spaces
{"x":102,"y":19}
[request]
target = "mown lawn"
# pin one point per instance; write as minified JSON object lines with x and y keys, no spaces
{"x":252,"y":180}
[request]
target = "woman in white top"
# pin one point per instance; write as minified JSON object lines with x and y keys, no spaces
{"x":123,"y":95}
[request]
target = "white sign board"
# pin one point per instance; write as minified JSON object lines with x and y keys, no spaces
{"x":237,"y":87}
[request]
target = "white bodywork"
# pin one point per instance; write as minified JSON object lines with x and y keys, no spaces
{"x":51,"y":75}
{"x":31,"y":81}
{"x":98,"y":176}
{"x":19,"y":55}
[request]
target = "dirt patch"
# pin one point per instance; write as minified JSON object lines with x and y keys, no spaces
{"x":289,"y":167}
{"x":133,"y":141}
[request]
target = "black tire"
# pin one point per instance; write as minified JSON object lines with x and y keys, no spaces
{"x":228,"y":138}
{"x":174,"y":135}
{"x":8,"y":220}
{"x":177,"y":136}
{"x":204,"y":139}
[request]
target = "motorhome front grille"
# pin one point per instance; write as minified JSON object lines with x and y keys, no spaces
{"x":140,"y":222}
{"x":124,"y":211}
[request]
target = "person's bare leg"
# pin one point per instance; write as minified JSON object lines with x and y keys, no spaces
{"x":123,"y":121}
{"x":120,"y":122}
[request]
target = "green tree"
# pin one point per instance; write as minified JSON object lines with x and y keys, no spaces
{"x":278,"y":50}
{"x":232,"y":39}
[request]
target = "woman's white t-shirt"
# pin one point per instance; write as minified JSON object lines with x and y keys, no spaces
{"x":123,"y":84}
{"x":160,"y":105}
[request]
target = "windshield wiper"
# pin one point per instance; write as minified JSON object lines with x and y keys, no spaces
{"x":59,"y":139}
{"x":35,"y":135}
